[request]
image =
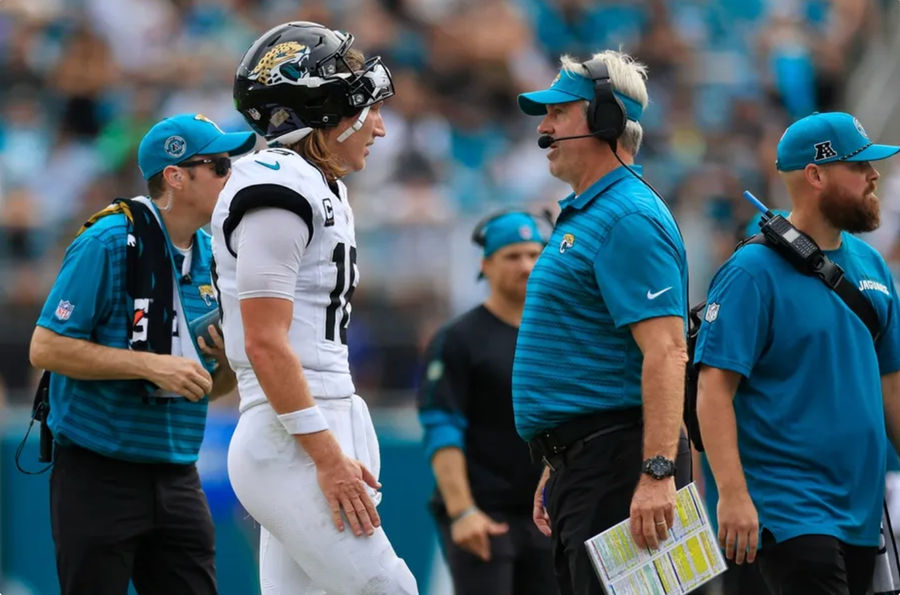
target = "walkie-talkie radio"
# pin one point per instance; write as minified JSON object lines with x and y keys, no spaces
{"x":794,"y":245}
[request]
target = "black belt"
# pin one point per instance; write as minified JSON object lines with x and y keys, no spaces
{"x":548,"y":446}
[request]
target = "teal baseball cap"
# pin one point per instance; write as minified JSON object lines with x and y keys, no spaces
{"x":571,"y":86}
{"x":825,"y":138}
{"x":510,"y":228}
{"x":180,"y":137}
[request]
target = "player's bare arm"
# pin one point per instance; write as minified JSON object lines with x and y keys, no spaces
{"x":280,"y":373}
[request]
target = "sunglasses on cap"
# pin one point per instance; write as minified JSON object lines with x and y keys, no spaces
{"x":221,"y":165}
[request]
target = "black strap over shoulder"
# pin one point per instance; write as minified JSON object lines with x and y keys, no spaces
{"x":832,"y":275}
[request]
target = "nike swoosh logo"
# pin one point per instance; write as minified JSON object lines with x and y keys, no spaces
{"x":276,"y":167}
{"x":653,"y":296}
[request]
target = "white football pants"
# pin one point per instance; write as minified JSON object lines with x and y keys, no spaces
{"x":300,"y":550}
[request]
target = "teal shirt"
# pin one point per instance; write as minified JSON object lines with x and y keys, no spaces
{"x":89,"y":302}
{"x":615,"y":258}
{"x":809,"y":407}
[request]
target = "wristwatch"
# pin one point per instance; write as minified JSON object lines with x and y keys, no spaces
{"x":659,"y":467}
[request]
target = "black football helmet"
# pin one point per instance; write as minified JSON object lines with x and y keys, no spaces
{"x":296,"y":77}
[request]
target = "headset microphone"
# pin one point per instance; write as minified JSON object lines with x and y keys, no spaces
{"x":545,"y":140}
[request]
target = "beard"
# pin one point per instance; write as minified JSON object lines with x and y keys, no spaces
{"x":849,"y":212}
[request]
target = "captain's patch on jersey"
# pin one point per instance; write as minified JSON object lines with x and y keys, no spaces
{"x":712,"y":312}
{"x":329,"y":212}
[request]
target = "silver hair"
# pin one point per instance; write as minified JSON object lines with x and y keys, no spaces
{"x":628,"y":77}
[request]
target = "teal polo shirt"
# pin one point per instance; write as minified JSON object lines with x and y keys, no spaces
{"x":89,"y":301}
{"x":615,"y":258}
{"x":809,"y":409}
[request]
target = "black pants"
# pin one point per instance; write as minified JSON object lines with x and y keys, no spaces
{"x":591,"y":491}
{"x":114,"y":520}
{"x":815,"y":565}
{"x":744,"y":579}
{"x":521,"y":561}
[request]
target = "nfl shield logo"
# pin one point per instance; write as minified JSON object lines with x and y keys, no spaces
{"x":712,"y":312}
{"x":64,"y":309}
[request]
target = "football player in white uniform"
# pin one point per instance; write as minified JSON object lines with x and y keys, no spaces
{"x":304,"y":458}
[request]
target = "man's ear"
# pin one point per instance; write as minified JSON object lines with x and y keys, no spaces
{"x":173,"y":176}
{"x":815,"y":176}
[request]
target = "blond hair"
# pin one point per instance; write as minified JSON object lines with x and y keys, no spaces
{"x":628,"y":77}
{"x":313,"y":148}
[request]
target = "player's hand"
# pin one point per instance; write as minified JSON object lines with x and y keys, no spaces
{"x":539,"y":513}
{"x":179,"y":375}
{"x":473,"y":533}
{"x":738,"y":526}
{"x":217,"y":349}
{"x":652,"y":510}
{"x":343,"y":482}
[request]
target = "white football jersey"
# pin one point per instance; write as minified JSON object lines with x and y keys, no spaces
{"x":327,"y":274}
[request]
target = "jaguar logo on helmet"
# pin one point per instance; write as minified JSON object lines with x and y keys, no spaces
{"x":286,"y":62}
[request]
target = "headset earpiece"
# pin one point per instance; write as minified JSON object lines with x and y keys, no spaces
{"x":605,"y":113}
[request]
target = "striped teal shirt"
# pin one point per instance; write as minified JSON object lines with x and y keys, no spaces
{"x":615,"y":258}
{"x":89,"y":301}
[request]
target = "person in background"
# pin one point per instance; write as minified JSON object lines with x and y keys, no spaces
{"x":482,"y":504}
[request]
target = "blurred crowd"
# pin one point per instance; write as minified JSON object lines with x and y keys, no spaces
{"x":82,"y":80}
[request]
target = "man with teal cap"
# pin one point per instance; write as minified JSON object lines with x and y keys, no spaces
{"x":598,"y":378}
{"x":794,"y":395}
{"x":130,"y":379}
{"x":482,"y":503}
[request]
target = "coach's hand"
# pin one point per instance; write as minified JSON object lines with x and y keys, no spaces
{"x":652,"y":510}
{"x":539,"y":512}
{"x":179,"y":375}
{"x":473,"y":533}
{"x":738,"y":525}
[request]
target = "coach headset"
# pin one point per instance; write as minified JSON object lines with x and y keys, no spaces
{"x":606,"y":117}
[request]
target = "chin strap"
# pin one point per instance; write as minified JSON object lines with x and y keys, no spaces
{"x":301,"y":133}
{"x":355,"y":126}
